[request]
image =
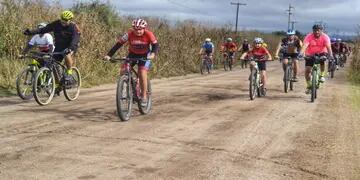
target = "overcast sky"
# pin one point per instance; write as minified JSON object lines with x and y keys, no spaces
{"x":340,"y":16}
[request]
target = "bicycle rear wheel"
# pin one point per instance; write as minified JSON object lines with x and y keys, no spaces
{"x":44,"y":86}
{"x":252,"y":84}
{"x":124,"y":98}
{"x":332,"y":69}
{"x":24,"y":83}
{"x":147,"y":108}
{"x":72,"y":91}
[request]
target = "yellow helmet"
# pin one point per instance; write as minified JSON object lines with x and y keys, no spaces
{"x":67,"y":15}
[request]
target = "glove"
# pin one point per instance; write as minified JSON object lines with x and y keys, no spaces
{"x":67,"y":51}
{"x":27,"y":32}
{"x":107,"y":58}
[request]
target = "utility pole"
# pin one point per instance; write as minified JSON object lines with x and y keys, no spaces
{"x":290,"y":13}
{"x":292,"y":24}
{"x":237,"y":13}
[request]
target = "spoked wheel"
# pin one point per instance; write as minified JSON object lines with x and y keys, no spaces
{"x":313,"y":86}
{"x":226,"y":64}
{"x":72,"y":90}
{"x":24,"y":83}
{"x":287,"y":79}
{"x":252,"y":85}
{"x":124,"y":98}
{"x":230,"y":64}
{"x":147,"y":108}
{"x":208,"y":67}
{"x":202,"y":67}
{"x":44,"y":86}
{"x":332,"y":69}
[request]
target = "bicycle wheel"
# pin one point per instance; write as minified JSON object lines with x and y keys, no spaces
{"x":230,"y":64}
{"x":24,"y":83}
{"x":124,"y":98}
{"x":226,"y":64}
{"x":291,"y":82}
{"x":147,"y":108}
{"x":44,"y":86}
{"x":202,"y":67}
{"x":72,"y":91}
{"x":313,"y":85}
{"x":252,"y":84}
{"x":286,"y":78}
{"x":208,"y":67}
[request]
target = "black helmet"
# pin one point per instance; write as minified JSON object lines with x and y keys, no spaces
{"x":317,"y":27}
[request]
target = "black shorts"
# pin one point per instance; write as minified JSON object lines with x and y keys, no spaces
{"x":262,"y":65}
{"x":59,"y":57}
{"x":309,"y":61}
{"x":292,"y":55}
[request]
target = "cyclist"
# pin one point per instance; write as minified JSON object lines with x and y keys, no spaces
{"x":316,"y":42}
{"x":290,"y":47}
{"x":44,"y":42}
{"x":228,"y":49}
{"x":142,"y":44}
{"x":207,"y":49}
{"x":245,"y":47}
{"x":67,"y":37}
{"x":340,"y":48}
{"x":260,"y":53}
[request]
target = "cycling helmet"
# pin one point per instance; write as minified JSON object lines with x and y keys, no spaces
{"x":245,"y":40}
{"x":333,"y":39}
{"x":207,"y":40}
{"x":291,"y":32}
{"x":139,"y":24}
{"x":67,"y":15}
{"x":41,"y":25}
{"x":317,"y":27}
{"x":258,"y":40}
{"x":228,"y":39}
{"x":338,"y":40}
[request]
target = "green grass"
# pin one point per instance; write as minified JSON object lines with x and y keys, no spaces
{"x":355,"y":96}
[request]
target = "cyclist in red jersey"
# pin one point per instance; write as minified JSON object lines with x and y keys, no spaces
{"x":262,"y":55}
{"x":228,"y":49}
{"x":142,"y":44}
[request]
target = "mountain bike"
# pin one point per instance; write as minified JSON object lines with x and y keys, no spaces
{"x":341,"y":60}
{"x":205,"y":65}
{"x":24,"y":80}
{"x":50,"y":78}
{"x":227,"y":62}
{"x":128,"y":89}
{"x":255,"y":85}
{"x":332,"y":67}
{"x":315,"y":74}
{"x":288,"y":75}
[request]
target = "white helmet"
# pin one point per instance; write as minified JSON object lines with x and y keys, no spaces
{"x":258,"y":40}
{"x":228,"y":39}
{"x":41,"y":25}
{"x":207,"y":40}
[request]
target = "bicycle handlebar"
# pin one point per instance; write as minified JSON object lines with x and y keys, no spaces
{"x":114,"y":60}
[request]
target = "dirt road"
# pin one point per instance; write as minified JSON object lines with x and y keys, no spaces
{"x":201,"y":127}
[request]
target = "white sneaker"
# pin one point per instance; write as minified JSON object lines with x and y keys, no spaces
{"x":322,"y":79}
{"x":337,"y":67}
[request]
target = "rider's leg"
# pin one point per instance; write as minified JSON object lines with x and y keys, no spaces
{"x":308,"y":66}
{"x":69,"y":63}
{"x":143,"y":70}
{"x":296,"y":67}
{"x":285,"y":62}
{"x":263,"y":77}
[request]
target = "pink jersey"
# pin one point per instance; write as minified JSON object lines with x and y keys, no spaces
{"x":316,"y":45}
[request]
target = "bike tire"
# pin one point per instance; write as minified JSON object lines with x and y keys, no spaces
{"x":26,"y":92}
{"x":124,"y":98}
{"x":230,"y":65}
{"x":313,"y":85}
{"x":147,"y":109}
{"x":291,"y":82}
{"x":286,"y":78}
{"x":202,"y":68}
{"x":44,"y":80}
{"x":73,"y":92}
{"x":252,"y":84}
{"x":226,"y":64}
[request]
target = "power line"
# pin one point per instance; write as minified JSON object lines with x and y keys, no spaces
{"x":290,"y":13}
{"x":237,"y":13}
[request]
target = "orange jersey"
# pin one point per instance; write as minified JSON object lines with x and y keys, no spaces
{"x":229,"y":46}
{"x":258,"y":53}
{"x":138,"y":44}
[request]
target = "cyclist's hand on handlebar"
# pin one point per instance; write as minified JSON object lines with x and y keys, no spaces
{"x":276,"y":57}
{"x":106,"y":58}
{"x":67,"y":51}
{"x":151,"y":56}
{"x":27,"y":32}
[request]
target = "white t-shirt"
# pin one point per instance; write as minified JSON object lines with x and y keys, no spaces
{"x":43,"y":43}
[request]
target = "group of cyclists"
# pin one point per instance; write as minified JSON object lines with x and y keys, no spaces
{"x":142,"y":43}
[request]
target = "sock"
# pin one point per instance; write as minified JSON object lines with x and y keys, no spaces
{"x":69,"y":71}
{"x":322,"y":73}
{"x":308,"y":84}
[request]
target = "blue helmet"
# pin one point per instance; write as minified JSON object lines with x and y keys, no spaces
{"x":291,"y":32}
{"x":333,"y":39}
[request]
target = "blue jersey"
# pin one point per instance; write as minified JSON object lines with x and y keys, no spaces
{"x":208,"y":46}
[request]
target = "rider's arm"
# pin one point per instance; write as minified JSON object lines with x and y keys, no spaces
{"x":114,"y":49}
{"x":244,"y":55}
{"x":201,"y":51}
{"x":268,"y":55}
{"x":29,"y":45}
{"x":328,"y":47}
{"x":278,"y":49}
{"x":154,"y":50}
{"x":75,"y":37}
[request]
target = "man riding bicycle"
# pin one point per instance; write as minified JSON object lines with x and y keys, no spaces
{"x":340,"y":48}
{"x":261,"y":54}
{"x":228,"y":49}
{"x":289,"y":47}
{"x":316,"y":42}
{"x":67,"y":37}
{"x":207,"y":49}
{"x":142,"y":44}
{"x":245,"y":47}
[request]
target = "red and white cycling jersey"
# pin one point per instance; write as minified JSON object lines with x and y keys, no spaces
{"x":43,"y":43}
{"x":138,"y":44}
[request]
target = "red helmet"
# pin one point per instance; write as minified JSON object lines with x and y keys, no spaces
{"x":139,"y":24}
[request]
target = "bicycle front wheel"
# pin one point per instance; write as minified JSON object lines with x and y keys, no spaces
{"x":44,"y":86}
{"x":314,"y":80}
{"x":252,"y":84}
{"x":24,"y":83}
{"x":147,"y":108}
{"x":72,"y":90}
{"x":226,"y":64}
{"x":202,"y":67}
{"x":287,"y":78}
{"x":124,"y":98}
